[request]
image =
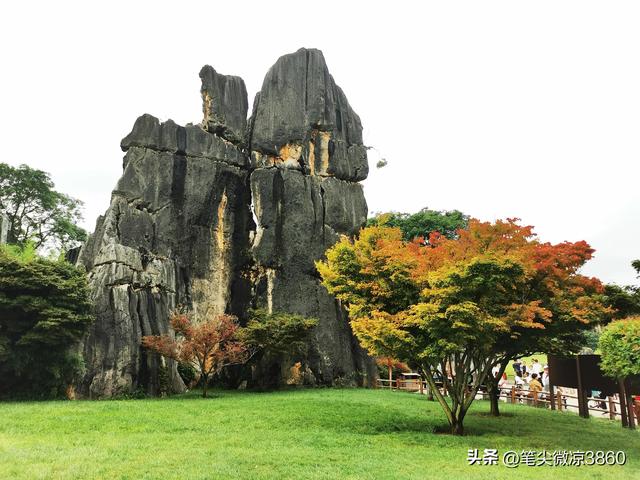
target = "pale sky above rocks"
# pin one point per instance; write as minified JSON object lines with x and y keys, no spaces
{"x":499,"y":109}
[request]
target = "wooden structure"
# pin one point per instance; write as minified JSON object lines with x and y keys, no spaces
{"x":583,"y":373}
{"x":612,"y":404}
{"x":410,"y":381}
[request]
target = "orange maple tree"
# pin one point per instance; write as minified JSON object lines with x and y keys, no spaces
{"x":463,"y":304}
{"x":208,"y":346}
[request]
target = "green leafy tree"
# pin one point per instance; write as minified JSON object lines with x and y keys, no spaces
{"x":620,"y":348}
{"x":624,"y":300}
{"x":277,"y":333}
{"x":636,"y":264}
{"x":423,"y":223}
{"x":274,"y":338}
{"x":620,"y":356}
{"x":36,"y":211}
{"x":44,"y":312}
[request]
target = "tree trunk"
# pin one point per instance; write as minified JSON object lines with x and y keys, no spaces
{"x":494,"y":390}
{"x":457,"y":428}
{"x":456,"y":423}
{"x":494,"y":399}
{"x":205,"y":382}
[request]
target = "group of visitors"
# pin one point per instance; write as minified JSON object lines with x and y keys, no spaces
{"x":529,"y":380}
{"x":535,"y":376}
{"x":534,"y":379}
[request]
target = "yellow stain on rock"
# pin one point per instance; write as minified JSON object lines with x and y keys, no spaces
{"x":324,"y":152}
{"x":312,"y":157}
{"x":222,"y":206}
{"x":290,"y":152}
{"x":211,"y":292}
{"x":319,"y":145}
{"x":206,"y":106}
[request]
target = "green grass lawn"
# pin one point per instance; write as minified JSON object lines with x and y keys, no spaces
{"x":302,"y":434}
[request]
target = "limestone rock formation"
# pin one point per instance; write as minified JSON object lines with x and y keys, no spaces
{"x":232,"y":215}
{"x":307,"y":153}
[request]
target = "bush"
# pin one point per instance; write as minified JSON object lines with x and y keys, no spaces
{"x":620,"y":348}
{"x":277,"y":333}
{"x":187,"y":373}
{"x":44,"y":312}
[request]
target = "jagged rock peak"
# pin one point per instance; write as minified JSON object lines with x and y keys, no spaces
{"x":191,"y":140}
{"x":224,"y":104}
{"x":302,"y":120}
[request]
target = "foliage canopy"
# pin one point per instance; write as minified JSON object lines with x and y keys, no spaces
{"x":277,"y":333}
{"x":44,"y":311}
{"x":423,"y":223}
{"x":620,"y":348}
{"x":208,"y":345}
{"x":459,"y":306}
{"x":36,"y":211}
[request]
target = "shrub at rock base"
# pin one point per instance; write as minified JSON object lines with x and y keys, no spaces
{"x":44,"y":312}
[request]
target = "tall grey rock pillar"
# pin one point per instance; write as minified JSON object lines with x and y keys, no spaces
{"x":176,"y":233}
{"x":308,"y":156}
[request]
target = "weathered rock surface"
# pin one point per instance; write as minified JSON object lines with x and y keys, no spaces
{"x":180,"y":229}
{"x":224,"y":104}
{"x":302,"y":119}
{"x":4,"y":227}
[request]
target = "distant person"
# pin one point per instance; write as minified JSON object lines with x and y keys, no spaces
{"x":535,"y":387}
{"x":534,"y":383}
{"x":518,"y":385}
{"x":519,"y":381}
{"x":545,"y":378}
{"x":502,"y":381}
{"x":602,"y":396}
{"x":536,"y":367}
{"x":517,"y":366}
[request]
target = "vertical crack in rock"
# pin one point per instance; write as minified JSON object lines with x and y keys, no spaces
{"x":323,"y":206}
{"x":229,"y":213}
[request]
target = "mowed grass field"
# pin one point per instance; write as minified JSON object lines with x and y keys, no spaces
{"x":300,"y":434}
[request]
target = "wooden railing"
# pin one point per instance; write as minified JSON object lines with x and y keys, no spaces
{"x":556,"y":401}
{"x":559,"y":400}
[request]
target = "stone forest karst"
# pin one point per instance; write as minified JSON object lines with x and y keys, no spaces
{"x":229,"y":213}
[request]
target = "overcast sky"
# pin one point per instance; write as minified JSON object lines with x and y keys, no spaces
{"x":498,"y":109}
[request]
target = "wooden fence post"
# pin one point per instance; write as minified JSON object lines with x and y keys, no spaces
{"x":552,"y":397}
{"x":583,"y":403}
{"x":623,"y":404}
{"x":612,"y":409}
{"x":631,"y":415}
{"x":513,"y":394}
{"x":559,"y":401}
